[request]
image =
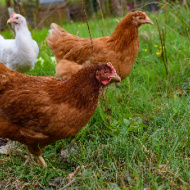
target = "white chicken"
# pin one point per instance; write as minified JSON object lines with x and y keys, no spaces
{"x":19,"y":54}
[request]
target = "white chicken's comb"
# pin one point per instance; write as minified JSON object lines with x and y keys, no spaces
{"x":12,"y":15}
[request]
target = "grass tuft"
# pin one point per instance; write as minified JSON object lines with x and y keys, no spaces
{"x":138,"y":138}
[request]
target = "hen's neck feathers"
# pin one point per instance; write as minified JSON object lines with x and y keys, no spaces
{"x":80,"y":91}
{"x":125,"y":33}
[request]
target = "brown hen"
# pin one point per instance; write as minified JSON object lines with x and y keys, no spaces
{"x":38,"y":111}
{"x":120,"y":48}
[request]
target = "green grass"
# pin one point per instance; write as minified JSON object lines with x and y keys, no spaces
{"x":138,"y":137}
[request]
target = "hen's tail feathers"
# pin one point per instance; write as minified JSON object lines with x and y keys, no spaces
{"x":1,"y":38}
{"x":57,"y":37}
{"x":7,"y":75}
{"x":4,"y":69}
{"x":55,"y":33}
{"x":3,"y":75}
{"x":5,"y":72}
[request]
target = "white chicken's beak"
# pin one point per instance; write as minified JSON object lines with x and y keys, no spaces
{"x":12,"y":20}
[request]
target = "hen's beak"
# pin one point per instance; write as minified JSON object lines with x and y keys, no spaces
{"x":115,"y":77}
{"x":148,"y":21}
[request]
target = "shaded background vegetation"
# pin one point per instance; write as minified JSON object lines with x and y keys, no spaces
{"x":42,"y":13}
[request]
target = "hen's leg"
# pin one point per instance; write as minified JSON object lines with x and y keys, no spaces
{"x":41,"y":161}
{"x":34,"y":149}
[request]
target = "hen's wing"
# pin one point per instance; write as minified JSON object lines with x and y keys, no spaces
{"x":21,"y":101}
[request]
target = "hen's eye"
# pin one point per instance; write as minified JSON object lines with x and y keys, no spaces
{"x":140,"y":17}
{"x":105,"y":71}
{"x":16,"y":17}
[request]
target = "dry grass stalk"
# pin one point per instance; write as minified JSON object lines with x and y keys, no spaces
{"x":102,"y":16}
{"x":88,"y":30}
{"x":70,"y":183}
{"x":162,"y":37}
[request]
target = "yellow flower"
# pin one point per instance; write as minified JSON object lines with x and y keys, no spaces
{"x":175,"y":96}
{"x":162,"y":47}
{"x":145,"y":50}
{"x":158,"y":53}
{"x":155,"y":46}
{"x":189,"y":83}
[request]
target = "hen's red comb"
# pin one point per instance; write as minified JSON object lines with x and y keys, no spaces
{"x":12,"y":15}
{"x":111,"y":66}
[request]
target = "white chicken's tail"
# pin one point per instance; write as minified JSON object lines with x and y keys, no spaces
{"x":1,"y":37}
